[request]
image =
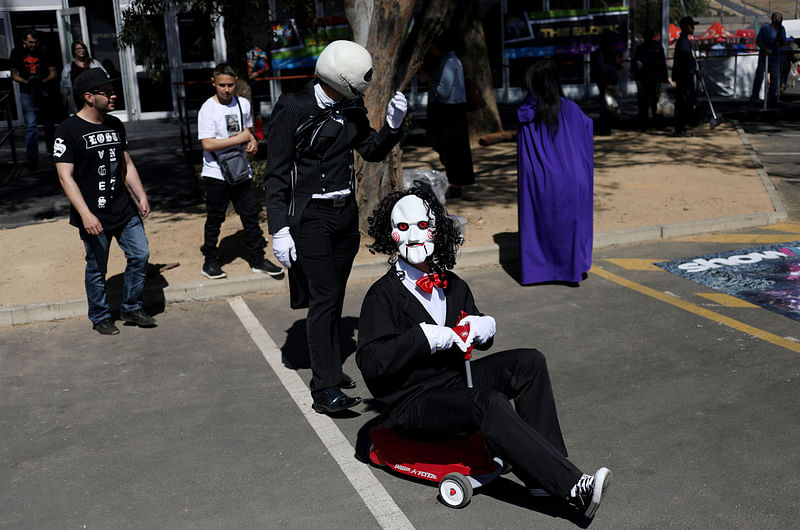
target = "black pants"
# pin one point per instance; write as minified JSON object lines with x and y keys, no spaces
{"x":647,"y":99}
{"x":685,"y":103}
{"x":526,"y":434}
{"x":327,"y":243}
{"x":243,"y":197}
{"x":448,"y":134}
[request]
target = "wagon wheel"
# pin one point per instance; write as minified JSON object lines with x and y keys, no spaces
{"x":455,"y":490}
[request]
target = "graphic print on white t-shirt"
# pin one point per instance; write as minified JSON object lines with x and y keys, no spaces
{"x":232,"y":123}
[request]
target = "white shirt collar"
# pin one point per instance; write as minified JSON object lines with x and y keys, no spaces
{"x":435,"y":303}
{"x":411,"y":272}
{"x":323,"y":99}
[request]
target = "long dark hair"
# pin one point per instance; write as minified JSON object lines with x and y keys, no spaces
{"x":446,"y":240}
{"x":85,"y":47}
{"x":544,"y":82}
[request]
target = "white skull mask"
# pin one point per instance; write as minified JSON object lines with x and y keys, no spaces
{"x":346,"y":67}
{"x":413,"y":229}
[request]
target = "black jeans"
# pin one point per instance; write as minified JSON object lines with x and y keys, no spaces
{"x":647,"y":100}
{"x":327,"y":243}
{"x":243,"y":197}
{"x":685,"y":103}
{"x":527,"y":434}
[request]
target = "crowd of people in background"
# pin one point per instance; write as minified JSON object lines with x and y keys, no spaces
{"x":46,"y":100}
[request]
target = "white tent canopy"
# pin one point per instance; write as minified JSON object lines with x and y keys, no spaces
{"x":792,"y":28}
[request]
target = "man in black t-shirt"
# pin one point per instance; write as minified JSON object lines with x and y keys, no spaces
{"x":35,"y":73}
{"x":106,"y":198}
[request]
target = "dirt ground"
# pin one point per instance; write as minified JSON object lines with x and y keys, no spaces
{"x":640,"y":180}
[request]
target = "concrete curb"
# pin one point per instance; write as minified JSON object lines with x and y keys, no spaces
{"x":469,"y":257}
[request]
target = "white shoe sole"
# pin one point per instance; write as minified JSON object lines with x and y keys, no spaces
{"x":602,"y":481}
{"x":207,"y":275}
{"x":276,"y":273}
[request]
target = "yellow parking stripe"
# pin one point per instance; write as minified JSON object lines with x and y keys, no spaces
{"x":784,"y":227}
{"x":726,"y":300}
{"x":635,"y":264}
{"x":697,"y":310}
{"x":741,"y":238}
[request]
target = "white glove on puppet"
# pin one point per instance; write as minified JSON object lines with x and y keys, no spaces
{"x":396,"y":110}
{"x":481,"y":329}
{"x":442,"y":338}
{"x":283,"y":247}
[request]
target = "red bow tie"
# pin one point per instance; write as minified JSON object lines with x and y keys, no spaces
{"x":428,"y":282}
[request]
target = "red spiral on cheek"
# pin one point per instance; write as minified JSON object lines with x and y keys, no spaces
{"x":395,"y":237}
{"x":431,"y":233}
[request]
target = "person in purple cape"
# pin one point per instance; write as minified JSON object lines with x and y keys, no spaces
{"x":555,"y":164}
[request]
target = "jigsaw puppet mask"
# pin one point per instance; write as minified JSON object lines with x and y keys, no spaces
{"x":413,"y":227}
{"x":346,"y":67}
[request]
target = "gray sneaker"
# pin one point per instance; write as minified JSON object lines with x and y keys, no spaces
{"x":106,"y":327}
{"x":138,"y":317}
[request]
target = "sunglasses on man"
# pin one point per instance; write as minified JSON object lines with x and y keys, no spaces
{"x":107,"y":92}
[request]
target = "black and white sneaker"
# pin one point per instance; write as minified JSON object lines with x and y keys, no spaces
{"x":211,"y":270}
{"x":266,"y":267}
{"x":587,"y":493}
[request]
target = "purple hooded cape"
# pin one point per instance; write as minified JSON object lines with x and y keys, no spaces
{"x":555,"y":193}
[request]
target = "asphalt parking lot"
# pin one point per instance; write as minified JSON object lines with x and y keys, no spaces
{"x":199,"y":423}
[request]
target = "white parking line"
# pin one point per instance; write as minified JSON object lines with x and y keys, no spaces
{"x":371,"y":491}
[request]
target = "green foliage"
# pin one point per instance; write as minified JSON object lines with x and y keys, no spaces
{"x":648,"y":13}
{"x":140,"y":30}
{"x":149,"y":43}
{"x":694,"y":8}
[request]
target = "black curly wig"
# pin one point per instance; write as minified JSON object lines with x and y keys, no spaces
{"x":446,"y":239}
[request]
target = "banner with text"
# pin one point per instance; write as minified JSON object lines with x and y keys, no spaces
{"x":569,"y":32}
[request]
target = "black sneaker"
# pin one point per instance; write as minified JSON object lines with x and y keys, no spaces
{"x":138,"y":317}
{"x":212,"y":270}
{"x":587,"y":493}
{"x":267,"y":267}
{"x":106,"y":327}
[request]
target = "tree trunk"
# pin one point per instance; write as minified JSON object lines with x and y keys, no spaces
{"x":475,"y":59}
{"x":396,"y":53}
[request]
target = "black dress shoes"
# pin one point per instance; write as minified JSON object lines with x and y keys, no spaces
{"x":347,"y":382}
{"x":333,"y":400}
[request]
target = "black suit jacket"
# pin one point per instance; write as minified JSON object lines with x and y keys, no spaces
{"x":393,"y":353}
{"x":327,"y":166}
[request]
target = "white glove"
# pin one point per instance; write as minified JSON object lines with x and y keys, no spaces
{"x":396,"y":110}
{"x":442,"y":338}
{"x":283,"y":247}
{"x":481,"y":329}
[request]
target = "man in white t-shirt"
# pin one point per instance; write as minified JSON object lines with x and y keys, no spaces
{"x":223,"y":124}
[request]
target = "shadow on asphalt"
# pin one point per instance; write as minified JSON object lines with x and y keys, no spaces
{"x":511,"y":492}
{"x":508,"y":245}
{"x":155,"y":283}
{"x":294,"y":352}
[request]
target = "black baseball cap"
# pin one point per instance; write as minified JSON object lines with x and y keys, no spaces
{"x":688,"y":21}
{"x":90,"y":80}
